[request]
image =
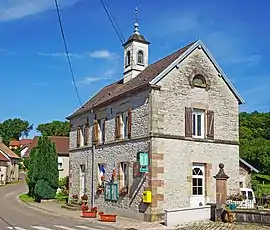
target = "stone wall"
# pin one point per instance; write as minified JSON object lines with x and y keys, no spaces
{"x":168,"y":126}
{"x":178,"y":94}
{"x":140,"y":118}
{"x":112,"y":152}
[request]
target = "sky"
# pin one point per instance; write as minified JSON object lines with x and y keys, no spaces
{"x":36,"y":81}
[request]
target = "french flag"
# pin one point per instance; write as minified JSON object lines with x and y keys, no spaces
{"x":101,"y":174}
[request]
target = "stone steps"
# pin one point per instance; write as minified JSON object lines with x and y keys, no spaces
{"x":74,"y":207}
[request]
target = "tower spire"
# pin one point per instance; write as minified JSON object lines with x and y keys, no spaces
{"x":136,"y":24}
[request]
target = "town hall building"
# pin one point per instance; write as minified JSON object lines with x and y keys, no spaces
{"x":154,"y":139}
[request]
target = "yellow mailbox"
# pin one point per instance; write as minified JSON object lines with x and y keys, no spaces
{"x":147,"y":197}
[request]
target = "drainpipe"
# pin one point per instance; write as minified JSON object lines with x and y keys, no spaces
{"x":93,"y":168}
{"x":92,"y":176}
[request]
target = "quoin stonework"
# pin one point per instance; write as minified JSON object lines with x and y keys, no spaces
{"x":179,"y":113}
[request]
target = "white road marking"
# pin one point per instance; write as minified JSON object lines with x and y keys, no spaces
{"x":87,"y":228}
{"x":64,"y":227}
{"x":40,"y":228}
{"x":16,"y":228}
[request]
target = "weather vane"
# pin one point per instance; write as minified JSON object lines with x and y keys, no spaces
{"x":136,"y":15}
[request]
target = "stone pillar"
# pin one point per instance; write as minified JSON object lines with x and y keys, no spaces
{"x":221,"y":186}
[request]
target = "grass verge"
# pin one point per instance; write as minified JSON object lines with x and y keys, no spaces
{"x":26,"y":198}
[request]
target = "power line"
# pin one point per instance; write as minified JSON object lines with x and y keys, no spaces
{"x":119,"y":33}
{"x":114,"y":20}
{"x":67,"y":53}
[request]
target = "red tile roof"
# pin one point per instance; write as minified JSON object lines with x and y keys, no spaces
{"x":62,"y":145}
{"x":3,"y":157}
{"x":21,"y":142}
{"x":113,"y":91}
{"x":8,"y":151}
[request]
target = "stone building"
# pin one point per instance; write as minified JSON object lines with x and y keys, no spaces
{"x":245,"y":171}
{"x":162,"y":128}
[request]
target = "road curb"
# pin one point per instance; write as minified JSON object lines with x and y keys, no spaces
{"x":28,"y":204}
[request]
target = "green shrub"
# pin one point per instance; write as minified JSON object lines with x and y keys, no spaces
{"x":44,"y":190}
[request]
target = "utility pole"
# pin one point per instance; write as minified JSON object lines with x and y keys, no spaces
{"x":92,"y":176}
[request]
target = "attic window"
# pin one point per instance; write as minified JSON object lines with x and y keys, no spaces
{"x":199,"y":81}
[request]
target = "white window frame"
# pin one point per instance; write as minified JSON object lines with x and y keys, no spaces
{"x":100,"y":129}
{"x":125,"y":173}
{"x":125,"y":124}
{"x":195,"y":115}
{"x":60,"y":162}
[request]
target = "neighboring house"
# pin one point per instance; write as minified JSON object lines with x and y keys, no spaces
{"x":245,"y":171}
{"x":15,"y":144}
{"x":62,"y":145}
{"x":22,"y":145}
{"x":3,"y":168}
{"x":163,"y":128}
{"x":9,"y":164}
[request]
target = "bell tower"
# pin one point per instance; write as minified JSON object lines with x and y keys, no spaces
{"x":135,"y":52}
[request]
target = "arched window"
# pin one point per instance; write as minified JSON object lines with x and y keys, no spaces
{"x":140,"y":57}
{"x":199,"y":81}
{"x":128,"y":58}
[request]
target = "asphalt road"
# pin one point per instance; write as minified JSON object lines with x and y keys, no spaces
{"x":16,"y":215}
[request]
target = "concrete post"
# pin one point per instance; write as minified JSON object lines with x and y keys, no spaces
{"x":221,"y":186}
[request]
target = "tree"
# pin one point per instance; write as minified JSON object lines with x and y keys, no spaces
{"x":255,"y":139}
{"x":43,"y":172}
{"x":13,"y":129}
{"x":55,"y":128}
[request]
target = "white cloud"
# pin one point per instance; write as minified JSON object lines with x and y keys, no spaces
{"x":5,"y":51}
{"x":61,"y":55}
{"x":104,"y":76}
{"x":16,"y":9}
{"x":103,"y":54}
{"x":89,"y":80}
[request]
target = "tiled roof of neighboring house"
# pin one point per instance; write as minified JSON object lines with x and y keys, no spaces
{"x":119,"y":88}
{"x":248,"y":165}
{"x":3,"y":157}
{"x":14,"y":143}
{"x":25,"y":141}
{"x":20,"y":142}
{"x":62,"y":145}
{"x":8,"y":151}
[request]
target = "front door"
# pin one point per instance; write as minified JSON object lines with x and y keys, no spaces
{"x":82,"y":180}
{"x":198,"y":186}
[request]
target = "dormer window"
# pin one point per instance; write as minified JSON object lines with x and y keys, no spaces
{"x":140,"y":57}
{"x":128,"y":58}
{"x":199,"y":81}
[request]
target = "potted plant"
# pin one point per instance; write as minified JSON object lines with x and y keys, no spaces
{"x":84,"y":199}
{"x":86,"y":213}
{"x":75,"y":198}
{"x":107,"y":217}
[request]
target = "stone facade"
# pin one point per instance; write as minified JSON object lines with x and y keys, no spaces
{"x":158,"y":127}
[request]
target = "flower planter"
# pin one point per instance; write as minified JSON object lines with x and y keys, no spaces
{"x":107,"y":217}
{"x":89,"y":214}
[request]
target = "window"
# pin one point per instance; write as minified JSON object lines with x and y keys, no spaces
{"x":128,"y":58}
{"x":198,"y":123}
{"x":140,"y":57}
{"x":199,"y":81}
{"x":101,"y":131}
{"x":60,"y":163}
{"x":125,"y":174}
{"x":125,"y":124}
{"x":198,"y":180}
